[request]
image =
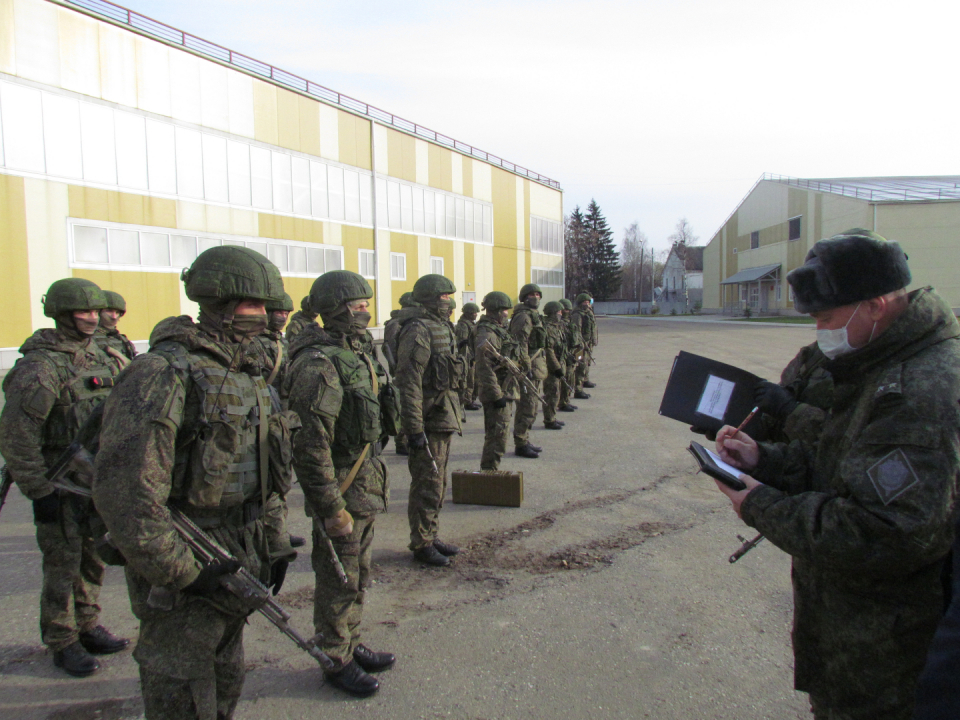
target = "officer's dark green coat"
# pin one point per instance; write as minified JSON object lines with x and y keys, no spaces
{"x":866,"y":513}
{"x":812,"y":386}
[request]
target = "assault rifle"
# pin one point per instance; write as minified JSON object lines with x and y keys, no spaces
{"x":253,"y":593}
{"x":512,"y":368}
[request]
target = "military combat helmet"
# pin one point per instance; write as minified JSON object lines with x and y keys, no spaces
{"x":334,"y":288}
{"x":231,"y":272}
{"x":72,"y":294}
{"x":497,"y":300}
{"x":529,"y":289}
{"x":283,"y":304}
{"x":471,"y":308}
{"x":115,"y":301}
{"x":567,"y":305}
{"x":305,"y":304}
{"x":552,"y":307}
{"x":430,"y":287}
{"x":582,"y":296}
{"x":406,"y":300}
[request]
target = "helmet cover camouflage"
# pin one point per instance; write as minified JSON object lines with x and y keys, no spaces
{"x":334,"y":288}
{"x":497,"y":300}
{"x":552,"y":308}
{"x":430,"y":287}
{"x":529,"y":289}
{"x":115,"y":301}
{"x":231,"y":272}
{"x":471,"y":308}
{"x":567,"y":305}
{"x":583,"y":297}
{"x":284,"y":304}
{"x":72,"y":294}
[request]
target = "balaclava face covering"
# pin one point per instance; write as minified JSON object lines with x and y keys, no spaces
{"x":347,"y":321}
{"x":532,"y":301}
{"x":276,"y":321}
{"x":440,"y":308}
{"x":221,"y":321}
{"x":75,"y":328}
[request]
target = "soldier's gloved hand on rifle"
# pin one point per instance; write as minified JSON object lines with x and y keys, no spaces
{"x":418,"y":441}
{"x":774,"y":399}
{"x":278,"y":573}
{"x":558,"y":373}
{"x":45,"y":509}
{"x":501,"y":403}
{"x":209,"y":578}
{"x":339,"y":525}
{"x":710,"y":435}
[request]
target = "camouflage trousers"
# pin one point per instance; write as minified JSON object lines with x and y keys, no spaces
{"x":551,"y":393}
{"x":468,"y":389}
{"x":496,"y":425}
{"x":338,"y":608}
{"x":72,"y":577}
{"x":583,"y":370}
{"x":400,"y":441}
{"x":566,"y":389}
{"x":526,"y":414}
{"x":427,"y":488}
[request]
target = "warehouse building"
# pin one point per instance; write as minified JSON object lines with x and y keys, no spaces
{"x":769,"y":234}
{"x":127,"y":147}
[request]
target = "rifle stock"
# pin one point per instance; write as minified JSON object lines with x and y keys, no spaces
{"x":513,"y":369}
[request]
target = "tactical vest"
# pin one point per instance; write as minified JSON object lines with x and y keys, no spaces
{"x":538,"y":335}
{"x":556,"y":338}
{"x":508,"y":345}
{"x":445,"y":368}
{"x":216,"y":464}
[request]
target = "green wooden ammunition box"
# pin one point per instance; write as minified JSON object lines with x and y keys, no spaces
{"x":488,"y":487}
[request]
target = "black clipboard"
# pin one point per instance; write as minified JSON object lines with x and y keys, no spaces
{"x":711,"y":468}
{"x":693,"y":378}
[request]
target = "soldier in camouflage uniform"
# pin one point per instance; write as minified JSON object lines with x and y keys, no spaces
{"x":555,"y":350}
{"x":528,"y":332}
{"x":192,"y":424}
{"x":497,"y":387}
{"x":112,"y":341}
{"x":341,"y":393}
{"x":391,"y":334}
{"x":574,"y":350}
{"x":429,"y":373}
{"x":50,"y":392}
{"x":795,"y":409}
{"x":304,"y":317}
{"x":274,"y":346}
{"x":586,"y":323}
{"x":866,"y":512}
{"x":466,"y":332}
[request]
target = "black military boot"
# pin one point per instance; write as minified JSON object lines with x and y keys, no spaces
{"x":581,"y":395}
{"x":445,"y":548}
{"x":526,"y":451}
{"x":101,"y":641}
{"x":353,"y":679}
{"x":567,"y":408}
{"x":553,"y":425}
{"x":535,"y":448}
{"x":588,"y":384}
{"x":297,"y":541}
{"x":372,"y":661}
{"x":75,"y":660}
{"x":474,"y":406}
{"x":431,"y":556}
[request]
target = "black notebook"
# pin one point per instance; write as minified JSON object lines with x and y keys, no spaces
{"x":712,"y":465}
{"x":709,"y":394}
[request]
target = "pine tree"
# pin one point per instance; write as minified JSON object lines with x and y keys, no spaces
{"x":574,"y":246}
{"x":603,"y":270}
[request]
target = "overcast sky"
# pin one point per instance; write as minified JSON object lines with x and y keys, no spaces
{"x":657,"y":109}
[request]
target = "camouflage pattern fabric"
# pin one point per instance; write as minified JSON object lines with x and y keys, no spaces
{"x":271,"y":345}
{"x":496,"y":427}
{"x":526,"y":328}
{"x":526,"y":413}
{"x":866,"y":515}
{"x":556,"y":352}
{"x":115,"y":340}
{"x":427,"y":489}
{"x":586,"y":323}
{"x":466,"y":335}
{"x":298,"y":321}
{"x":812,"y":385}
{"x":493,"y":383}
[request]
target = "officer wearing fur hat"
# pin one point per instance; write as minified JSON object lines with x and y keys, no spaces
{"x":586,"y":323}
{"x":555,"y":350}
{"x":866,"y":511}
{"x":188,"y":426}
{"x":304,"y":317}
{"x":61,"y":378}
{"x":347,"y":407}
{"x":574,"y":350}
{"x":112,"y":341}
{"x":498,"y":389}
{"x":429,"y":374}
{"x":466,"y":332}
{"x":528,"y":332}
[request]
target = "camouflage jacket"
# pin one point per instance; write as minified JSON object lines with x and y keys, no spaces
{"x":391,"y":334}
{"x":574,"y":340}
{"x":587,"y":325}
{"x":526,"y":327}
{"x":297,"y":323}
{"x":811,"y":385}
{"x":429,"y":373}
{"x":556,"y":345}
{"x":49,"y":394}
{"x":115,"y":344}
{"x":466,"y":332}
{"x":272,"y":345}
{"x":179,"y":432}
{"x":494,"y":381}
{"x":866,"y":512}
{"x":329,"y":386}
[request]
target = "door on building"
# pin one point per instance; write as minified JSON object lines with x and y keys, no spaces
{"x":469,"y":297}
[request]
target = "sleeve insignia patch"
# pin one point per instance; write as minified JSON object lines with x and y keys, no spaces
{"x":892,"y":475}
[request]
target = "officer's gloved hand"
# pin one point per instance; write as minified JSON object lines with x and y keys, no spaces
{"x":417,"y":441}
{"x":774,"y":399}
{"x":710,"y":435}
{"x":339,"y":525}
{"x":46,"y":509}
{"x":501,"y":403}
{"x":278,"y":572}
{"x":558,"y":373}
{"x":209,"y":578}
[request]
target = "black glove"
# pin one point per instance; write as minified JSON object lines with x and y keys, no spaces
{"x":558,"y":373}
{"x":46,"y":509}
{"x":209,"y":578}
{"x":417,"y":441}
{"x":501,"y":403}
{"x":774,"y":399}
{"x":278,"y":571}
{"x":710,"y":435}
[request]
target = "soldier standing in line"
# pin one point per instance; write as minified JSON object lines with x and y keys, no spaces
{"x":391,"y":334}
{"x":301,"y":319}
{"x":429,"y":374}
{"x":112,"y":341}
{"x":865,"y":512}
{"x":341,"y":393}
{"x":526,"y":327}
{"x":466,"y":340}
{"x":497,"y":387}
{"x":189,"y":426}
{"x":50,"y":392}
{"x":583,"y":318}
{"x":555,"y":348}
{"x":574,"y":350}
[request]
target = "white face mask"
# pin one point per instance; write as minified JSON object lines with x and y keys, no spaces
{"x":834,"y":343}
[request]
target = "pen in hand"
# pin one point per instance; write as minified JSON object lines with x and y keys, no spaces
{"x":747,"y":419}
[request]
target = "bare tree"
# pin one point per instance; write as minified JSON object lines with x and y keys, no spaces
{"x":682,"y":238}
{"x":632,"y":257}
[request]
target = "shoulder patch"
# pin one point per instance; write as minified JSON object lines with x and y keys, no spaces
{"x":892,"y":476}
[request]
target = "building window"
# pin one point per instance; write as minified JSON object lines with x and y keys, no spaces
{"x":367,"y":268}
{"x":436,"y":265}
{"x":754,"y":239}
{"x":778,"y":292}
{"x":546,"y":277}
{"x":546,"y":236}
{"x":398,"y":266}
{"x":794,"y":233}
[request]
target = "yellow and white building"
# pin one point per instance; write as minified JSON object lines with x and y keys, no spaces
{"x":746,"y":263}
{"x":127,"y":147}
